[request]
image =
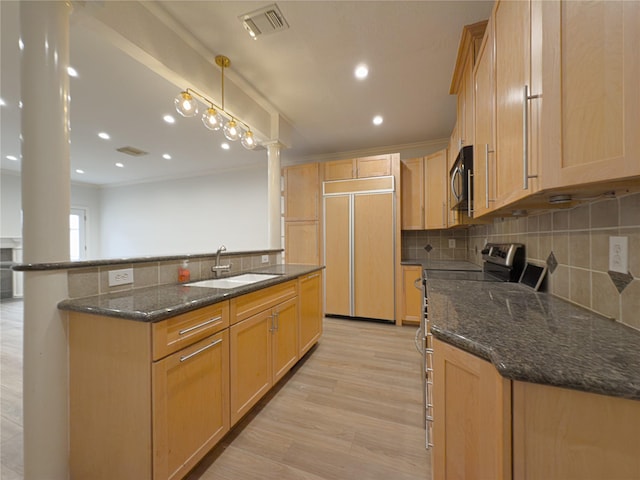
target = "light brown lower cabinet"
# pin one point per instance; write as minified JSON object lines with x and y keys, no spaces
{"x":472,"y":417}
{"x":144,"y":404}
{"x":488,"y":427}
{"x":190,"y":405}
{"x":264,"y":343}
{"x":562,"y":434}
{"x":147,"y":401}
{"x":411,"y":295}
{"x":310,"y":305}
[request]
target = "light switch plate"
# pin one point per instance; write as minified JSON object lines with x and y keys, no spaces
{"x":618,"y":254}
{"x":265,"y":258}
{"x":120,"y":277}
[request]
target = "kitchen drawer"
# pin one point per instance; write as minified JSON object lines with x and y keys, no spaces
{"x":255,"y":302}
{"x":182,"y":330}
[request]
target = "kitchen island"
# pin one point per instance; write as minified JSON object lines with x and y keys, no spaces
{"x":530,"y":386}
{"x":159,"y":375}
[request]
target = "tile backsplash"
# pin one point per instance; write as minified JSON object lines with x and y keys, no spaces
{"x":89,"y":281}
{"x":434,"y":244}
{"x":579,"y":240}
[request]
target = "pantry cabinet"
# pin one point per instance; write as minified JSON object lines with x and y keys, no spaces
{"x":591,"y":117}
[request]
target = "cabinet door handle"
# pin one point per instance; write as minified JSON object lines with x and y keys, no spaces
{"x":195,"y":327}
{"x":200,"y":350}
{"x":277,"y":315}
{"x":525,"y":138}
{"x":469,"y":177}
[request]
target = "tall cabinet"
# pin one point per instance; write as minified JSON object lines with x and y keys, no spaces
{"x":359,"y":228}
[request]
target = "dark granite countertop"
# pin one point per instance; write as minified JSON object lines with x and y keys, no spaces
{"x":67,"y":265}
{"x":535,"y":337}
{"x":152,"y":304}
{"x":460,"y":265}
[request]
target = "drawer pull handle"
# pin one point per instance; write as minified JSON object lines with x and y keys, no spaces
{"x":200,"y":350}
{"x":195,"y":327}
{"x":313,"y":276}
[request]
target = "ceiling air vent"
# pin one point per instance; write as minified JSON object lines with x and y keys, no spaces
{"x":265,"y":20}
{"x":134,"y":152}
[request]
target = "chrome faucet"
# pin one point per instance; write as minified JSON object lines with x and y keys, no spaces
{"x":217,"y":268}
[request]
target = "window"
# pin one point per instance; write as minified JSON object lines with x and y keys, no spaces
{"x":77,"y":240}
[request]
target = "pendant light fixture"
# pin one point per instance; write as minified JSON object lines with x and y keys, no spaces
{"x":216,"y":117}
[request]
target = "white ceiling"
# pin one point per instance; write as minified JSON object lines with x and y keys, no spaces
{"x":304,"y":73}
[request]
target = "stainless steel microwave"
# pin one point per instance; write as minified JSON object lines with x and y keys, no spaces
{"x":461,"y":194}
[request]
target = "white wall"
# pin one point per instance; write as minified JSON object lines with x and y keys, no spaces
{"x":10,"y":205}
{"x":86,"y":197}
{"x":190,"y":215}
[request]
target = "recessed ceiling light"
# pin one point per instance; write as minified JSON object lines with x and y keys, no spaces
{"x":72,"y":72}
{"x":166,"y":156}
{"x":377,"y":120}
{"x":2,"y":102}
{"x":79,"y":170}
{"x":169,"y":119}
{"x":120,"y":165}
{"x":361,"y":71}
{"x":20,"y":44}
{"x":12,"y":158}
{"x":225,"y":146}
{"x":104,"y":135}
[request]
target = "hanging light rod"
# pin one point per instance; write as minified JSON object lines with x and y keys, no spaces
{"x":214,"y":116}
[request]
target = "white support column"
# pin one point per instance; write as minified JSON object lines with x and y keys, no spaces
{"x":45,"y":202}
{"x":273,"y":193}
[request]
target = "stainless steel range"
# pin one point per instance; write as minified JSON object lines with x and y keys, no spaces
{"x":502,"y":262}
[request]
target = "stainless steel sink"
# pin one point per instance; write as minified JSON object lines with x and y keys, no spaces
{"x":233,"y":282}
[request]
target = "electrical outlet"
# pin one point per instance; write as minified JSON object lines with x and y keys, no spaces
{"x":265,"y":258}
{"x":452,"y":243}
{"x":618,"y":254}
{"x":120,"y":277}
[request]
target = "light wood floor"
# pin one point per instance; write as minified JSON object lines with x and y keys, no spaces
{"x":349,"y":410}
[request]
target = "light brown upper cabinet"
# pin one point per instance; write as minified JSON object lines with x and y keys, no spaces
{"x":514,"y":163}
{"x":590,"y":124}
{"x":301,"y":192}
{"x":484,"y":146}
{"x":374,"y":166}
{"x":436,"y":182}
{"x":302,"y":229}
{"x":557,"y":98}
{"x":462,"y":83}
{"x":412,"y":172}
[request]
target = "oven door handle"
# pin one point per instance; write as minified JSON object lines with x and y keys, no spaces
{"x":419,"y":341}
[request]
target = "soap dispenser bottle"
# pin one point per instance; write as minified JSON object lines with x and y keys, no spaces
{"x":183,"y":272}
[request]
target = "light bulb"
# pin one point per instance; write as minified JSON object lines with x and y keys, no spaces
{"x":185,"y":104}
{"x":212,"y":119}
{"x":248,"y":141}
{"x":231,"y":130}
